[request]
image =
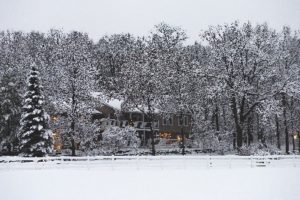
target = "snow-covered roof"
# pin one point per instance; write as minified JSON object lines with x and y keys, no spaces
{"x":95,"y":111}
{"x":114,"y":103}
{"x":104,"y":99}
{"x":117,"y":103}
{"x":144,"y":109}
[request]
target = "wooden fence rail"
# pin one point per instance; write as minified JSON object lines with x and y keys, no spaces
{"x":149,"y":162}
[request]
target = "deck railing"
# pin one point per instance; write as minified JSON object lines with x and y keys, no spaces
{"x":139,"y":125}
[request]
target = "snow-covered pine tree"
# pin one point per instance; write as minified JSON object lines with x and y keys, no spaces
{"x":35,"y":138}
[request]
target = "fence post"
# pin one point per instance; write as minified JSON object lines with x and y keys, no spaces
{"x":184,"y":162}
{"x":137,"y":162}
{"x":35,"y":160}
{"x":112,"y":162}
{"x":294,"y":160}
{"x":209,"y":162}
{"x":160,"y":162}
{"x":251,"y":159}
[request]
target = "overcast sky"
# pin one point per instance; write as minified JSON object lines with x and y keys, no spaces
{"x":100,"y":17}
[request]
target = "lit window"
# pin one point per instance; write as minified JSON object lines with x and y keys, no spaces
{"x":54,"y":118}
{"x":179,"y":138}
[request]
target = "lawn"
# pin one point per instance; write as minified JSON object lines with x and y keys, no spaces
{"x":152,"y":183}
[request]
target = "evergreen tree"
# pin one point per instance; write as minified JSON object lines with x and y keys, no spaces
{"x":10,"y":113}
{"x":35,"y":138}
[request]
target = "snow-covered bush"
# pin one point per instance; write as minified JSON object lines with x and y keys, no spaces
{"x":115,"y":139}
{"x":163,"y":143}
{"x":210,"y":141}
{"x":90,"y":139}
{"x":225,"y":143}
{"x":259,"y":149}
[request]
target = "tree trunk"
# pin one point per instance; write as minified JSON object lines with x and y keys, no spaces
{"x":73,"y":111}
{"x":152,"y":134}
{"x":73,"y":148}
{"x":249,"y":131}
{"x":234,"y":141}
{"x":299,"y":142}
{"x":152,"y":140}
{"x":294,"y":147}
{"x":259,"y":129}
{"x":217,"y":119}
{"x":183,"y":142}
{"x":238,"y":122}
{"x":277,"y":132}
{"x":224,"y":118}
{"x":285,"y":124}
{"x":182,"y":135}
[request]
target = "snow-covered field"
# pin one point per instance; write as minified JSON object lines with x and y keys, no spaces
{"x":158,"y":179}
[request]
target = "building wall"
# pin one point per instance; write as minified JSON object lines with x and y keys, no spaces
{"x":175,"y":128}
{"x":108,"y":116}
{"x":107,"y":112}
{"x":164,"y":130}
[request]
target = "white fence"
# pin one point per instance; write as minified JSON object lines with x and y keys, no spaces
{"x":148,"y":162}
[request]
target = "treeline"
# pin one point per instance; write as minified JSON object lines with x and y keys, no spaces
{"x":240,"y":82}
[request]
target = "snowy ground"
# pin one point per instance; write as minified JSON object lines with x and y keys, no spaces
{"x":153,"y":183}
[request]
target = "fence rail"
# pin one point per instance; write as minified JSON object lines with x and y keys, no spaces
{"x":148,"y":162}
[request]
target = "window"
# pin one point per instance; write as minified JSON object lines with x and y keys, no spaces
{"x":183,"y":122}
{"x":164,"y":120}
{"x":180,"y":121}
{"x":126,"y":123}
{"x":168,"y":119}
{"x":54,"y":118}
{"x":186,"y":120}
{"x":156,"y":124}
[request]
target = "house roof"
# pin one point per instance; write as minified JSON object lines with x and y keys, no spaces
{"x":116,"y":104}
{"x":104,"y":99}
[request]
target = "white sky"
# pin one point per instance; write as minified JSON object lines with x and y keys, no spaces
{"x":100,"y":17}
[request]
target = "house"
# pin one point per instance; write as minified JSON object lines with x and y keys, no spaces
{"x":168,"y":126}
